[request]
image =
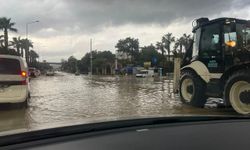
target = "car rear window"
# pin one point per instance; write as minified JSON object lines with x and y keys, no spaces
{"x":9,"y":66}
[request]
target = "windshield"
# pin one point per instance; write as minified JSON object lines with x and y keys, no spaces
{"x":9,"y":66}
{"x":143,"y":72}
{"x":243,"y":31}
{"x":240,"y":33}
{"x":99,"y":61}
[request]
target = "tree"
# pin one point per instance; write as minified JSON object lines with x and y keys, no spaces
{"x":178,"y":46}
{"x":33,"y":57}
{"x":85,"y":63}
{"x":26,"y":45}
{"x":160,"y":47}
{"x":2,"y":50}
{"x":72,"y":63}
{"x":12,"y":51}
{"x":150,"y":54}
{"x":22,"y":47}
{"x":187,"y":40}
{"x":6,"y":25}
{"x":181,"y":44}
{"x":16,"y":43}
{"x":130,"y":47}
{"x":1,"y":41}
{"x":167,"y":39}
{"x":102,"y":60}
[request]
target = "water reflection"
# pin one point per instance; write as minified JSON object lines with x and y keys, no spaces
{"x":13,"y":119}
{"x":69,"y":98}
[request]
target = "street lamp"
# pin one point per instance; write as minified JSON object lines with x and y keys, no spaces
{"x":27,"y":30}
{"x":91,"y":58}
{"x":27,"y":27}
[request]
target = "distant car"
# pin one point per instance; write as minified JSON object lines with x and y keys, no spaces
{"x":33,"y":72}
{"x":14,"y":82}
{"x":38,"y":72}
{"x":77,"y":73}
{"x":50,"y":73}
{"x":145,"y":73}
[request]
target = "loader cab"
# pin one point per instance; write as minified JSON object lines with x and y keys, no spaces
{"x":217,"y":43}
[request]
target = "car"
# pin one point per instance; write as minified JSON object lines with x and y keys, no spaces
{"x":34,"y":72}
{"x":77,"y":73}
{"x":145,"y":73}
{"x":37,"y":72}
{"x":50,"y":73}
{"x":14,"y":80}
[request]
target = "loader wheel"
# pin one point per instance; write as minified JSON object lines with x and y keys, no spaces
{"x":237,"y":92}
{"x":192,"y":89}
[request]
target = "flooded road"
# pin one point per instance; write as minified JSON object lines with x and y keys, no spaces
{"x":66,"y":98}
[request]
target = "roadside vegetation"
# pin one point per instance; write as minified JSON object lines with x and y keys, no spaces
{"x":17,"y":45}
{"x":129,"y":53}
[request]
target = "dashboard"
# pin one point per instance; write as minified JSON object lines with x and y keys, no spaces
{"x":204,"y":135}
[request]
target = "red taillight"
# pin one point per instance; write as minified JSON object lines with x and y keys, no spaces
{"x":24,"y":74}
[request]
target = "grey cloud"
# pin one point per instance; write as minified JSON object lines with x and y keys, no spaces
{"x":117,"y":12}
{"x":75,"y":18}
{"x":87,"y":16}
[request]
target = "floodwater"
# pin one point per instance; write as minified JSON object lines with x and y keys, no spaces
{"x":68,"y":99}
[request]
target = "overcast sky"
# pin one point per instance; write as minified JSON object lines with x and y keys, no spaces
{"x":66,"y":26}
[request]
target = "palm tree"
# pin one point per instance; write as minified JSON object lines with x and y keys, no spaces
{"x":2,"y":51}
{"x":182,"y":44}
{"x":176,"y":46}
{"x":187,"y":40}
{"x":160,"y":47}
{"x":179,"y":44}
{"x":1,"y":41}
{"x":6,"y":25}
{"x":26,"y":45}
{"x":22,"y":46}
{"x":16,"y":43}
{"x":167,"y":40}
{"x":33,"y":57}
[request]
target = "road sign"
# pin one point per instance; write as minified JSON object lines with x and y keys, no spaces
{"x":154,"y":60}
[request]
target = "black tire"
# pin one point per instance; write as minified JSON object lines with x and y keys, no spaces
{"x":241,"y":76}
{"x":198,"y":90}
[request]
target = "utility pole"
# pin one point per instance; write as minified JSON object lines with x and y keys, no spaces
{"x":27,"y":34}
{"x":27,"y":30}
{"x":27,"y":27}
{"x":177,"y":66}
{"x":91,"y":57}
{"x":116,"y":63}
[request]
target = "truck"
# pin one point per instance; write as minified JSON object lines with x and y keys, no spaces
{"x":217,"y":64}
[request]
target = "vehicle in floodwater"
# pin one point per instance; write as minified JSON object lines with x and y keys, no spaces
{"x":145,"y":73}
{"x":14,"y":80}
{"x":50,"y":73}
{"x":217,"y":65}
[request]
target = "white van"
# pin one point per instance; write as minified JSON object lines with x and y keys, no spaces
{"x":145,"y":73}
{"x":14,"y":82}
